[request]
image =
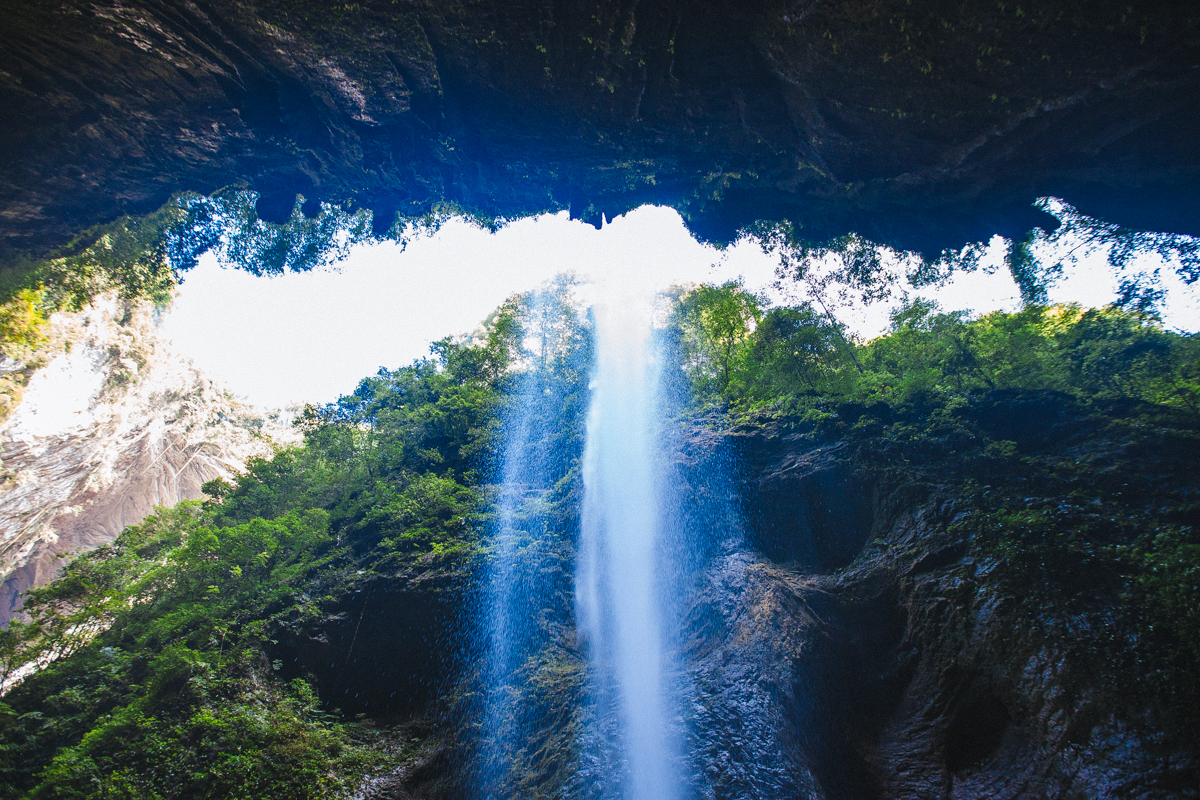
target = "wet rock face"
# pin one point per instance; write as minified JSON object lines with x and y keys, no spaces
{"x":890,"y":669}
{"x":921,"y":125}
{"x":812,"y":512}
{"x":788,"y":687}
{"x":988,"y":708}
{"x":902,"y":673}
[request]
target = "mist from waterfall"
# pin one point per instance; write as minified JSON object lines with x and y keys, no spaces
{"x":582,"y":590}
{"x":526,"y":591}
{"x":618,"y":595}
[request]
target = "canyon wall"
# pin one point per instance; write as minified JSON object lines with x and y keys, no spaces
{"x":860,"y":638}
{"x":113,"y":423}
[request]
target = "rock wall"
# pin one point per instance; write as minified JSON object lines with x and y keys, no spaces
{"x":922,"y":125}
{"x":114,"y":424}
{"x":909,"y":672}
{"x":853,"y":644}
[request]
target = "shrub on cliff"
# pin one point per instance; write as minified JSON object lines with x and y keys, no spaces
{"x":144,"y":665}
{"x":798,"y":359}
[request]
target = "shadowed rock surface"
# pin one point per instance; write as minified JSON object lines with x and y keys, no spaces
{"x":921,"y":125}
{"x":907,"y":671}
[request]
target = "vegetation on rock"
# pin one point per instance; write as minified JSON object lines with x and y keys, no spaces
{"x":155,"y":682}
{"x":1066,"y":436}
{"x":1062,"y":434}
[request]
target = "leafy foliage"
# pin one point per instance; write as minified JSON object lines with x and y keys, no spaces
{"x":229,"y":224}
{"x":800,"y":360}
{"x":154,"y":680}
{"x":714,"y":323}
{"x":22,"y":324}
{"x":153,"y":676}
{"x":1040,"y":257}
{"x":850,"y":269}
{"x":144,"y":257}
{"x":23,"y":335}
{"x":1067,"y":438}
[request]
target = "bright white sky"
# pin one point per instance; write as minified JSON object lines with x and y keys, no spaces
{"x":310,"y":337}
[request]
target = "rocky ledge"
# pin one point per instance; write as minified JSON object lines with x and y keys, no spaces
{"x":922,"y":126}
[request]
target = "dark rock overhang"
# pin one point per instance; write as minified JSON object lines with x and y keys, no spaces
{"x":923,"y":125}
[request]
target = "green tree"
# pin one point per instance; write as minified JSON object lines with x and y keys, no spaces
{"x":794,"y":351}
{"x":715,"y":324}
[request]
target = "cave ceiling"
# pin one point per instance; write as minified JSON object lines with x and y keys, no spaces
{"x":923,"y":125}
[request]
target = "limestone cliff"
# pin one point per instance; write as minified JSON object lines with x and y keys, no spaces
{"x":114,"y":424}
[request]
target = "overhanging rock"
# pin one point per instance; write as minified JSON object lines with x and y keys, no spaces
{"x":923,"y":126}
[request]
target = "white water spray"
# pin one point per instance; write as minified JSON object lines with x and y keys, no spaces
{"x":618,"y":601}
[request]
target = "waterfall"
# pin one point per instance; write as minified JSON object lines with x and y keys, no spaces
{"x":590,"y":686}
{"x":618,"y":604}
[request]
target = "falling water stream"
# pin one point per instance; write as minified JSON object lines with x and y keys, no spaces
{"x":622,"y":708}
{"x":618,"y":603}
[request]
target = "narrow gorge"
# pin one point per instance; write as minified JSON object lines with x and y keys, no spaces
{"x":632,"y":537}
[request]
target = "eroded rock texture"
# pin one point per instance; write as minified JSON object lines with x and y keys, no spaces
{"x":914,"y":672}
{"x":855,"y":643}
{"x":923,"y":125}
{"x":114,"y":424}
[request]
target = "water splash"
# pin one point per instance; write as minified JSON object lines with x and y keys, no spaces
{"x":618,"y":604}
{"x":525,"y":594}
{"x":590,"y":710}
